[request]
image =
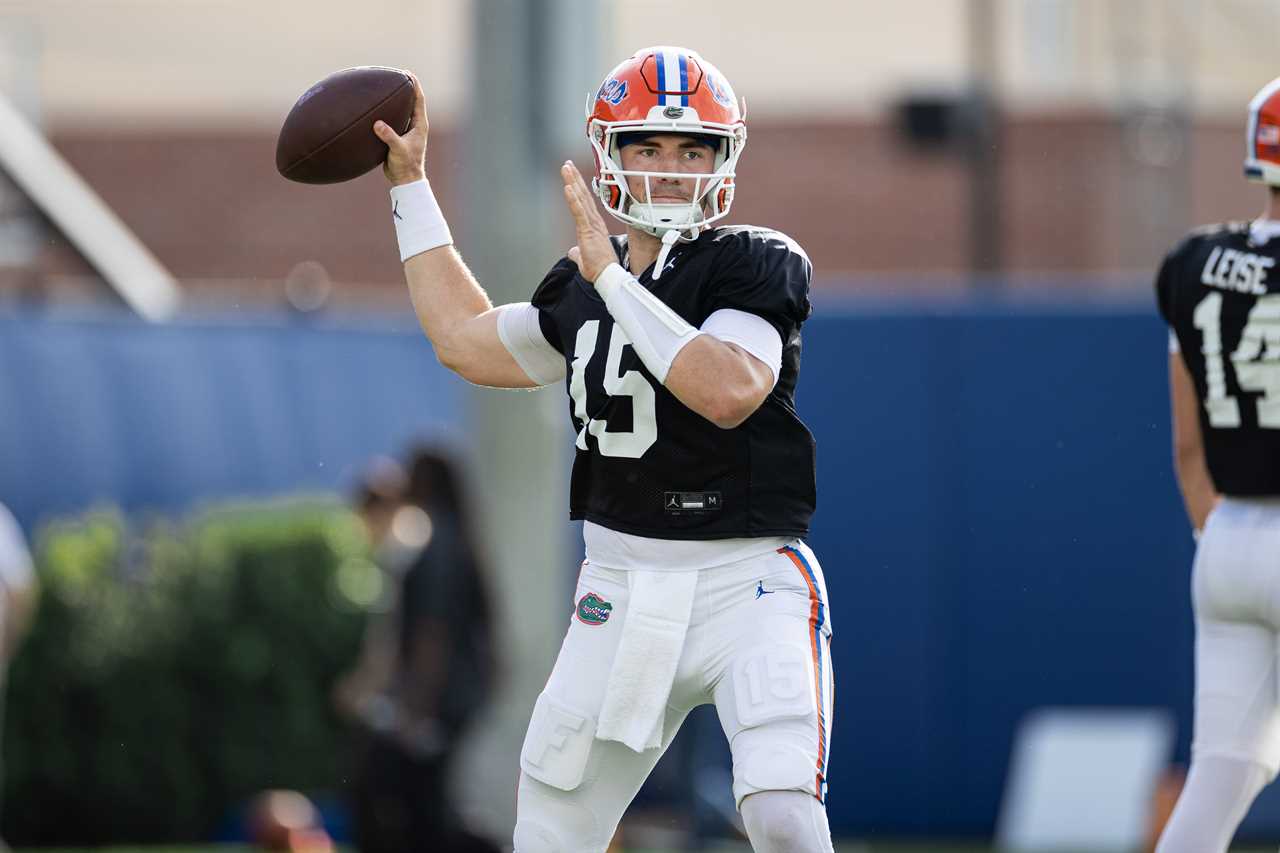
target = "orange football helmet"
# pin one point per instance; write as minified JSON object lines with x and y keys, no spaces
{"x":1262,"y":159}
{"x":666,"y":90}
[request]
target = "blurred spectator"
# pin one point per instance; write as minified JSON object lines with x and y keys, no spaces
{"x":378,"y":496}
{"x":428,"y":665}
{"x":17,"y":593}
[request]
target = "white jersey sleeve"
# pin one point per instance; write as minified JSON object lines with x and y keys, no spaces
{"x":522,"y":336}
{"x":750,"y":331}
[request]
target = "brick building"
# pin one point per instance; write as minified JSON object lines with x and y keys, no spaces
{"x":1120,"y":126}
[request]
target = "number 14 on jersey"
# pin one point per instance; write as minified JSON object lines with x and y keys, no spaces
{"x":1256,"y":361}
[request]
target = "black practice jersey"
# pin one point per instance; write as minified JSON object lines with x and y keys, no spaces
{"x":1220,"y":293}
{"x":645,"y":463}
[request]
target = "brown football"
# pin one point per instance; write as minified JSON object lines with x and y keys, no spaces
{"x":328,"y":135}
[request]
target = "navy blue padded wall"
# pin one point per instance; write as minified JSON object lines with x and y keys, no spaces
{"x":157,"y":416}
{"x":1000,"y":530}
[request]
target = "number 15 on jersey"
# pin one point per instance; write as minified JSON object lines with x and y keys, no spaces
{"x":632,"y":383}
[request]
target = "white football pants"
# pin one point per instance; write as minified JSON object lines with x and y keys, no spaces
{"x":1236,"y":744}
{"x":758,"y":647}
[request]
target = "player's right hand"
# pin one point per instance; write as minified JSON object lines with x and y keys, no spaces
{"x":407,"y":154}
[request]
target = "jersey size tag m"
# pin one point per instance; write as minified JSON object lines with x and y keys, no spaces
{"x":679,"y":502}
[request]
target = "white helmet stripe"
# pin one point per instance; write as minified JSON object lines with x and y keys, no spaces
{"x":671,"y":62}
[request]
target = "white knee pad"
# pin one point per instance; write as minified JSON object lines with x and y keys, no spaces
{"x":773,"y":699}
{"x":557,"y":744}
{"x":771,"y":766}
{"x":786,"y":822}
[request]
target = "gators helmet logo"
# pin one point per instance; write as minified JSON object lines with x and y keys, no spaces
{"x":719,"y":90}
{"x":613,"y":91}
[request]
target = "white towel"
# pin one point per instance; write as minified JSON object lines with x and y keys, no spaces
{"x":644,"y":667}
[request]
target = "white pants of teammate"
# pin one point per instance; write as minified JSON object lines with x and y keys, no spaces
{"x":758,"y":647}
{"x":1236,"y":744}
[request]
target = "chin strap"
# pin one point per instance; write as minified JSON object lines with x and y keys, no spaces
{"x":668,"y":240}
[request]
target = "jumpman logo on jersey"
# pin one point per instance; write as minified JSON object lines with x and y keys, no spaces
{"x":760,"y":590}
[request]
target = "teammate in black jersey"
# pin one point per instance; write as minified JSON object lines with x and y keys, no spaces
{"x":679,"y":348}
{"x":1219,"y":291}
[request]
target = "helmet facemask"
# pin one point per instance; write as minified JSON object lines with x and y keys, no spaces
{"x":712,"y":191}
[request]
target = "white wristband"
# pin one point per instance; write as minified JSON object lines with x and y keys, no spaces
{"x":657,"y":333}
{"x":420,"y":226}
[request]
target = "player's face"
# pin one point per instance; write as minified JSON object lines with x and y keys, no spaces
{"x":672,"y":153}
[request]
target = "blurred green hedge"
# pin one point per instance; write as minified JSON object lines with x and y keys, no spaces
{"x":174,"y":671}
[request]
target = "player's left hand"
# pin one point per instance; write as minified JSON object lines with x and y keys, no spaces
{"x":594,"y":252}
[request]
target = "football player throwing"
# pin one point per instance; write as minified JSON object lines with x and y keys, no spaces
{"x":678,"y":345}
{"x":1219,"y":291}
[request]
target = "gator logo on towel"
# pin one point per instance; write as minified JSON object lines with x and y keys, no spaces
{"x":594,"y":610}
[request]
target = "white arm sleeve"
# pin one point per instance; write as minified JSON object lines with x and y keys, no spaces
{"x":15,"y":560}
{"x":751,"y":332}
{"x":655,"y":331}
{"x":522,"y":336}
{"x":1173,"y":343}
